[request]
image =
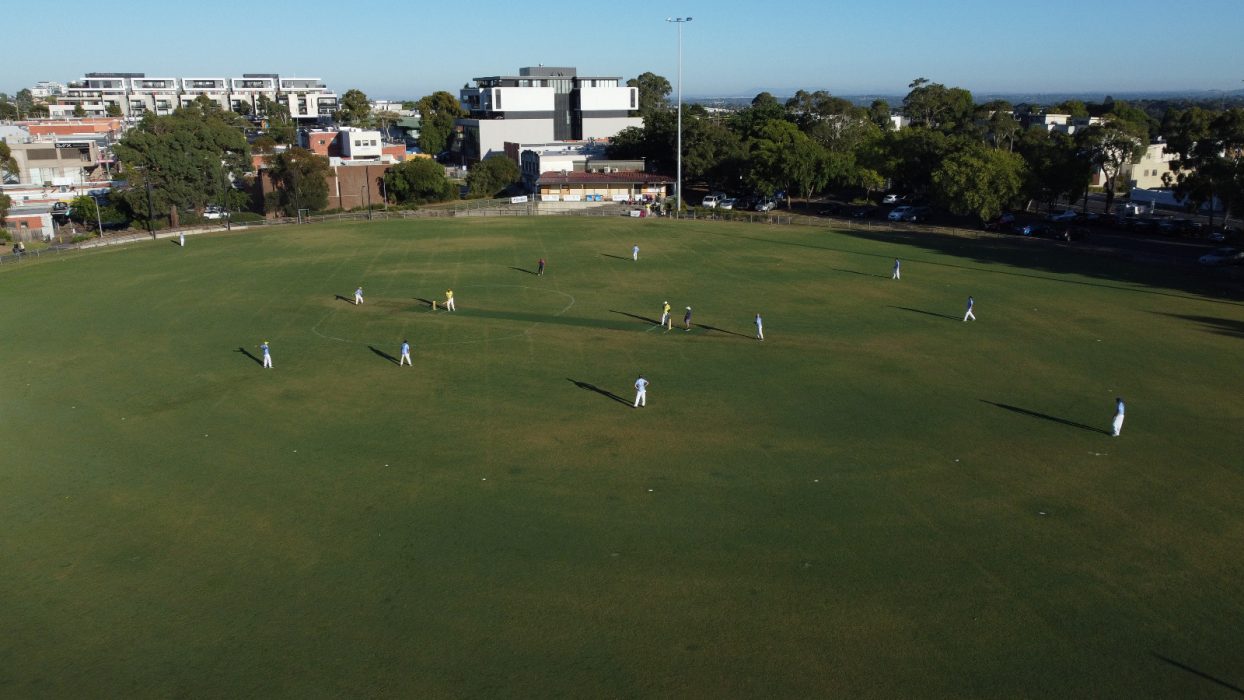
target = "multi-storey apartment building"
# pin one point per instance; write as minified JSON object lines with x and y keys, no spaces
{"x":135,"y":94}
{"x":539,"y":105}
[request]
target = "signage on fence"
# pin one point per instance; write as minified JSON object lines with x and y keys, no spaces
{"x":636,"y":213}
{"x":518,"y":200}
{"x":619,"y":197}
{"x":549,"y":198}
{"x":571,"y":197}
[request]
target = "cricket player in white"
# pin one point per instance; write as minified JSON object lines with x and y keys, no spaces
{"x":969,"y":314}
{"x":181,"y":237}
{"x":405,"y":355}
{"x":665,"y":316}
{"x":635,"y":252}
{"x":760,"y":327}
{"x":641,"y":392}
{"x":449,"y":300}
{"x":896,"y":275}
{"x":267,"y":357}
{"x":358,"y":296}
{"x":1118,"y":417}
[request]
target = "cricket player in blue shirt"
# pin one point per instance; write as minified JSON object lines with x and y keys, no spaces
{"x":405,"y":355}
{"x":267,"y":357}
{"x":1118,"y":417}
{"x":969,"y":314}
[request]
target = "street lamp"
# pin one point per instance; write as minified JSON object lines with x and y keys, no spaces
{"x":678,"y":186}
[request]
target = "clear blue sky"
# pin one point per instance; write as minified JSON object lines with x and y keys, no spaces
{"x":731,"y":48}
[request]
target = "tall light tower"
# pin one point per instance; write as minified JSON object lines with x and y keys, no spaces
{"x":678,"y":187}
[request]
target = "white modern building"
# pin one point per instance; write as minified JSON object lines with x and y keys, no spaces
{"x":135,"y":94}
{"x":45,"y":89}
{"x":361,"y":144}
{"x":539,"y":105}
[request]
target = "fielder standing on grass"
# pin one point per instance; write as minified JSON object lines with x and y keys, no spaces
{"x":665,"y":316}
{"x":181,"y":238}
{"x":760,"y":328}
{"x":267,"y":356}
{"x":449,"y":300}
{"x":641,"y":392}
{"x":405,"y":355}
{"x":540,"y":268}
{"x":358,"y":296}
{"x":635,"y":252}
{"x":969,"y":314}
{"x":895,"y":275}
{"x":686,"y":319}
{"x":1117,"y":426}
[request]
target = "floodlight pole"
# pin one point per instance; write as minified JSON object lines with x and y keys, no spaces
{"x":678,"y":185}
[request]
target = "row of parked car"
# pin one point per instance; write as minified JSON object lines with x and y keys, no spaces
{"x":719,"y":200}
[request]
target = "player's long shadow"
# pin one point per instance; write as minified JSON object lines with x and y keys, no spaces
{"x":926,"y":313}
{"x":246,"y":352}
{"x":426,"y":302}
{"x":721,"y":330}
{"x":1046,"y":416}
{"x":598,"y":390}
{"x":382,"y":353}
{"x":653,"y":321}
{"x":857,"y":272}
{"x":348,"y":301}
{"x":530,"y":272}
{"x":615,"y":257}
{"x":1195,"y":672}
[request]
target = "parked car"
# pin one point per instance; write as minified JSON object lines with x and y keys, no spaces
{"x":893,"y":198}
{"x":1002,"y":222}
{"x":711,"y":201}
{"x":1222,"y":256}
{"x":1088,"y":217}
{"x":1063,"y":217}
{"x":727,"y":203}
{"x":1032,"y":229}
{"x":863,"y":211}
{"x":908,"y":213}
{"x":765,"y":205}
{"x":1180,"y":227}
{"x":214,"y":212}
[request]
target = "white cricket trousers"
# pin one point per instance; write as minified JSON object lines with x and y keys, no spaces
{"x":1118,"y":424}
{"x":896,"y":275}
{"x":405,"y":360}
{"x":449,"y":305}
{"x":358,"y":299}
{"x":970,"y":315}
{"x":641,"y":398}
{"x":760,"y":332}
{"x":267,"y":361}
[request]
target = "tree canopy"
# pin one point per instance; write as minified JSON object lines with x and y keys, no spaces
{"x":354,"y":109}
{"x":299,"y":180}
{"x":187,"y":158}
{"x":654,"y":92}
{"x":419,"y":181}
{"x":437,"y":113}
{"x":490,"y":177}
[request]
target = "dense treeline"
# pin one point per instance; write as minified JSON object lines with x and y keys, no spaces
{"x":972,"y":159}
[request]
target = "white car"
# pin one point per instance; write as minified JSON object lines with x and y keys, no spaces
{"x":765,"y":205}
{"x":214,"y":212}
{"x":893,"y":198}
{"x":1222,"y":256}
{"x":710,"y":201}
{"x":1065,"y":216}
{"x":727,"y":203}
